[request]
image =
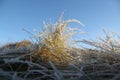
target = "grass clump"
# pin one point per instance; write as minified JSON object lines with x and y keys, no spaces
{"x":23,"y":43}
{"x":54,"y":43}
{"x":108,"y":48}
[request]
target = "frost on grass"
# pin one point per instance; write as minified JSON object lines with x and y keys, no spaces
{"x":53,"y":42}
{"x":52,"y":46}
{"x":107,"y":50}
{"x":51,"y":56}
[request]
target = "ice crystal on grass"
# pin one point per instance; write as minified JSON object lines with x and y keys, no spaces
{"x":54,"y":41}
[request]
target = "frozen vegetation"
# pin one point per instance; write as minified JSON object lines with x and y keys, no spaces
{"x":50,"y":56}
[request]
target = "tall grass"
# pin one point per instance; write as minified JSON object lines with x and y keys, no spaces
{"x":54,"y":43}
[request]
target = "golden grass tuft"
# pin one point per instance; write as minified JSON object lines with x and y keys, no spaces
{"x":54,"y":42}
{"x":24,"y":43}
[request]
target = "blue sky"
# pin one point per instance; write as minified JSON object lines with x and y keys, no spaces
{"x":30,"y":14}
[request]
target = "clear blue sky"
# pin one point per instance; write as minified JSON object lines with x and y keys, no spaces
{"x":30,"y":14}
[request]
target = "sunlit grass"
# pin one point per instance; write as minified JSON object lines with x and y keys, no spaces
{"x":54,"y":42}
{"x":51,"y":55}
{"x":23,"y":43}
